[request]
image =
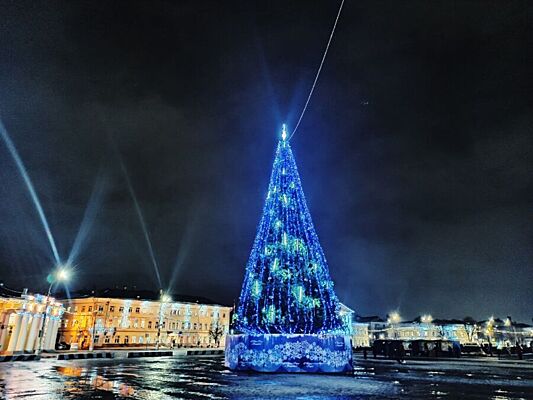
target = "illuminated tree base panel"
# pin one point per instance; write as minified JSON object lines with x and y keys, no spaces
{"x":289,"y":353}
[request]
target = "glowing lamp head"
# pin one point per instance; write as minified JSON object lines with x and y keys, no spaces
{"x":426,"y":319}
{"x":394,"y":317}
{"x":284,"y":132}
{"x":166,"y":298}
{"x":63,"y":273}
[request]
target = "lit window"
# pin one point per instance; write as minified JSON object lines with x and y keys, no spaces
{"x":90,"y":308}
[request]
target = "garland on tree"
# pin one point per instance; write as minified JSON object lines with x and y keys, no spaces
{"x":287,"y":288}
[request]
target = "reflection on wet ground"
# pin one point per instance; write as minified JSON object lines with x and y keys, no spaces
{"x":207,"y":378}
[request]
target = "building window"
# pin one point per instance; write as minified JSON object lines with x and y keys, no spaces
{"x":141,"y":339}
{"x":224,"y":315}
{"x":117,"y":339}
{"x":90,"y":308}
{"x":100,"y":308}
{"x":134,"y":339}
{"x":106,"y":339}
{"x":126,"y":339}
{"x":121,"y":309}
{"x":149,"y":324}
{"x":179,"y":312}
{"x":96,"y":338}
{"x":111,"y":308}
{"x":194,"y":326}
{"x":83,"y":309}
{"x":142,"y":323}
{"x":130,"y":310}
{"x":137,"y":310}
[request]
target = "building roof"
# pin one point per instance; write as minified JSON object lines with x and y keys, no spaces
{"x":372,"y":318}
{"x":134,"y":294}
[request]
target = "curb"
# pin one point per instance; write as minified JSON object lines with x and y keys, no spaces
{"x":138,"y":354}
{"x":19,"y":357}
{"x":84,"y":356}
{"x":204,"y":352}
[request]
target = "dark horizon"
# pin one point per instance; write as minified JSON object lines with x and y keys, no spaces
{"x":415,"y":152}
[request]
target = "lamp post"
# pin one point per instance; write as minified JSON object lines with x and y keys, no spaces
{"x":394,"y":318}
{"x":164,"y":298}
{"x":62,"y":274}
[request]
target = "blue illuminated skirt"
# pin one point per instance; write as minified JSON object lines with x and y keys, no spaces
{"x":289,"y":353}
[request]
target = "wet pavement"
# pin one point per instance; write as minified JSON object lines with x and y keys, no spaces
{"x":207,"y":378}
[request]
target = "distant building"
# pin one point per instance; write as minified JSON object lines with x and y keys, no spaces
{"x":119,"y":318}
{"x":360,"y":335}
{"x":21,"y":320}
{"x":377,"y":327}
{"x":457,"y":330}
{"x":346,"y":315}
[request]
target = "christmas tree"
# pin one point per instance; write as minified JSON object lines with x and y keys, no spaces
{"x":287,"y":288}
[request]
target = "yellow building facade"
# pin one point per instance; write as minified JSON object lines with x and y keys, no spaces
{"x":123,"y":322}
{"x":21,"y":323}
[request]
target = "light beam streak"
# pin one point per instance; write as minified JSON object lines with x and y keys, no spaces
{"x":93,"y":206}
{"x":29,"y":185}
{"x":141,"y":219}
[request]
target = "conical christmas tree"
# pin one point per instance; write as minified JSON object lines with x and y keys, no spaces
{"x":287,"y":287}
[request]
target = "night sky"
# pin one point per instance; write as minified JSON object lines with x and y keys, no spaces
{"x":415,"y":152}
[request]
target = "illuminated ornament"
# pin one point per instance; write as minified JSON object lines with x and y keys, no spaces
{"x":284,"y":240}
{"x":256,"y":289}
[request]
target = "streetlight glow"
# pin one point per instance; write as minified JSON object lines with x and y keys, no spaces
{"x":63,"y":274}
{"x":394,"y":317}
{"x":426,"y":319}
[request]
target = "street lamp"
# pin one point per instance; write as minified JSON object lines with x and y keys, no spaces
{"x":62,"y":274}
{"x":165,"y":298}
{"x":394,"y":318}
{"x":426,"y":319}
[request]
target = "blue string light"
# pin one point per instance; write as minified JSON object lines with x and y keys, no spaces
{"x":287,"y":288}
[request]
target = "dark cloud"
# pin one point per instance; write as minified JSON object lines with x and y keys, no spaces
{"x":414,"y":154}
